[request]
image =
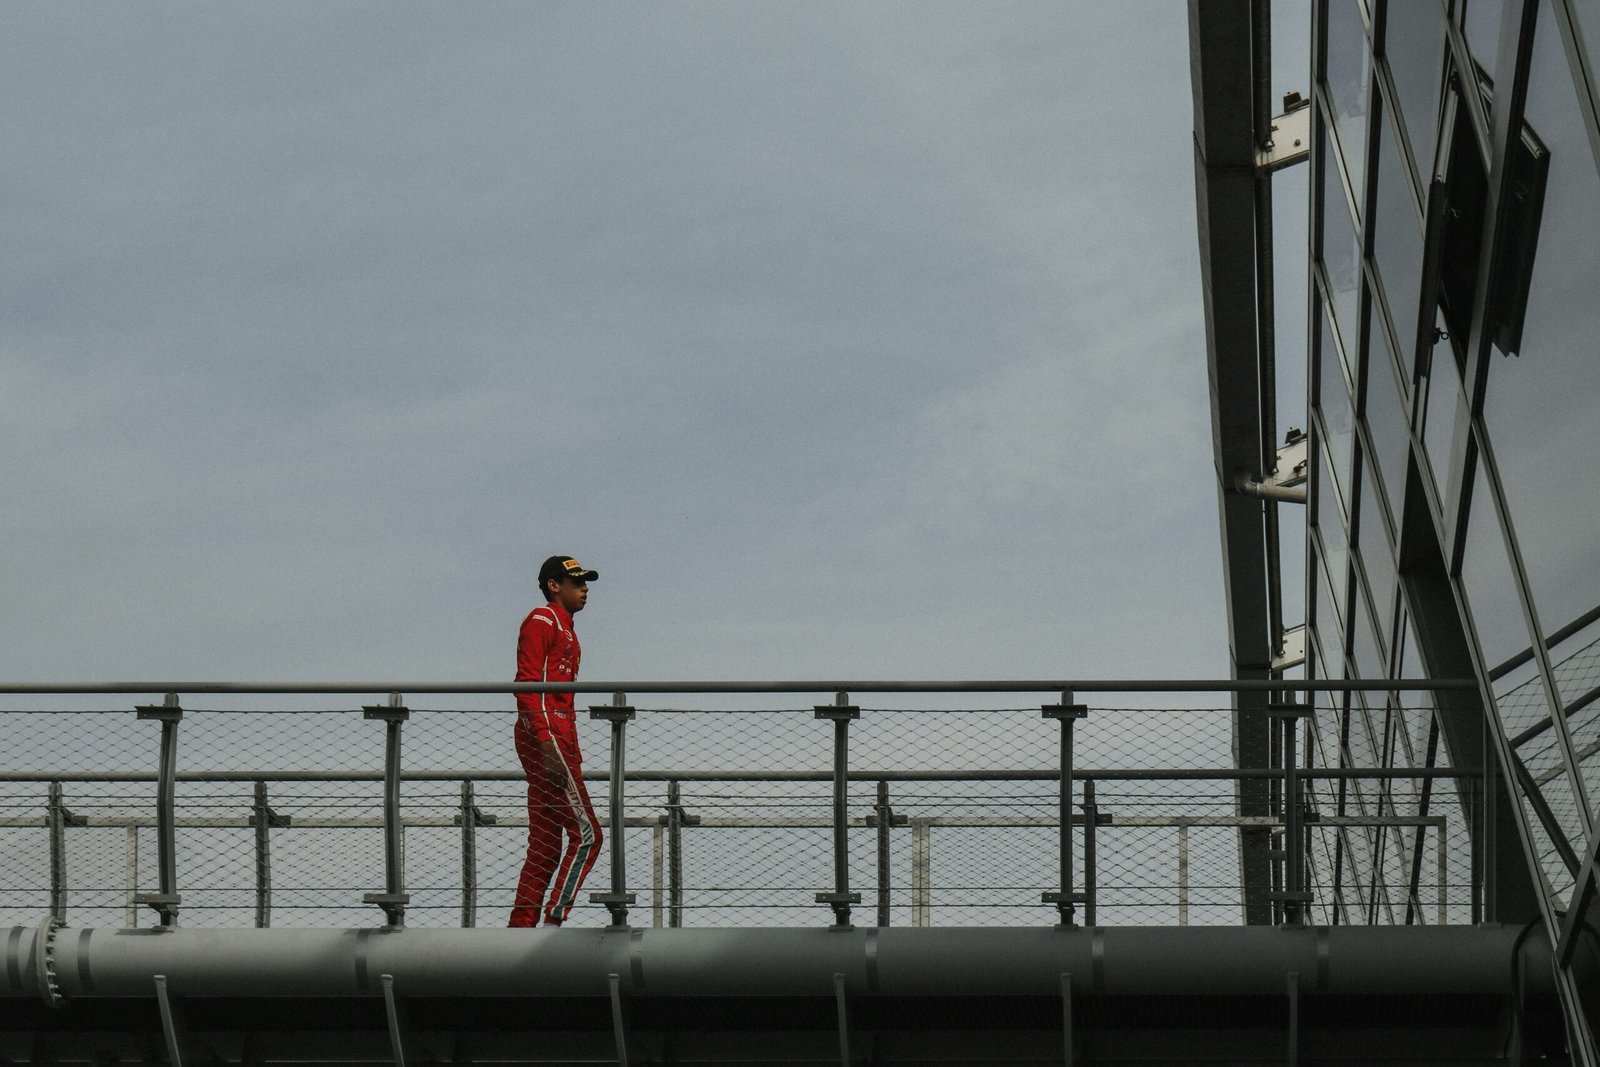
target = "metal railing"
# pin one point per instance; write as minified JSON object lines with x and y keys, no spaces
{"x":779,"y":797}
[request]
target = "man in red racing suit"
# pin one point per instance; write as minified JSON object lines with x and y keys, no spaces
{"x":547,"y":744}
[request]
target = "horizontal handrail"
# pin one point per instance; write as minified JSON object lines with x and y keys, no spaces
{"x":1136,"y":774}
{"x":1080,"y":685}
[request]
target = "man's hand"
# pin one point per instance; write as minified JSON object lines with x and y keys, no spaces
{"x":555,"y":768}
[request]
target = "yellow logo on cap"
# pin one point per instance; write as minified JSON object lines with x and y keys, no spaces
{"x":573,"y":566}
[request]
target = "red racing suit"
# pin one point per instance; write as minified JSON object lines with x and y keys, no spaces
{"x":563,"y":833}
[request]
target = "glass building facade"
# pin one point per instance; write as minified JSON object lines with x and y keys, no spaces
{"x":1453,"y":522}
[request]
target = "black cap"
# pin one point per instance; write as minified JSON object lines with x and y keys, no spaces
{"x":565,"y":567}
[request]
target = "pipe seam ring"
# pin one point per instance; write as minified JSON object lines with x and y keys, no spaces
{"x":44,"y":961}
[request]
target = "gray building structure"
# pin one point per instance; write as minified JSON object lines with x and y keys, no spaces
{"x":1417,"y":863}
{"x":1453,"y":380}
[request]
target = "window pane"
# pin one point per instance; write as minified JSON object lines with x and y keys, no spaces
{"x":1341,"y":256}
{"x":1369,"y":657}
{"x":1331,"y":525}
{"x":1540,"y":407}
{"x":1337,"y":417}
{"x":1349,"y":75}
{"x":1377,"y":558}
{"x":1385,"y":415}
{"x":1588,"y":16}
{"x":1483,"y":31}
{"x":1329,"y":623}
{"x":1490,"y":585}
{"x":1397,"y":238}
{"x":1414,"y":45}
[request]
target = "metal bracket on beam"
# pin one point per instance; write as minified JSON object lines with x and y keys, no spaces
{"x":1066,"y":1017}
{"x":1294,"y":1018}
{"x":1291,"y":136}
{"x":844,"y":1019}
{"x":169,"y":1022}
{"x":1286,"y":482}
{"x":1292,"y":651}
{"x":479,"y":817}
{"x":1284,"y":494}
{"x":618,"y":1026}
{"x":1291,"y":463}
{"x":391,"y":1007}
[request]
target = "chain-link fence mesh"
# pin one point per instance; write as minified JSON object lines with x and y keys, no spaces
{"x":952,"y":817}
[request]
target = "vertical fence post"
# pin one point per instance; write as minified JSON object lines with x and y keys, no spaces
{"x":264,"y":819}
{"x":841,"y":712}
{"x":469,"y":857}
{"x":1183,"y":873}
{"x":55,"y":816}
{"x":658,"y":869}
{"x":676,"y":821}
{"x":1295,"y":898}
{"x":394,"y":898}
{"x":921,"y":872}
{"x":1091,"y":819}
{"x":618,"y":899}
{"x":131,"y":853}
{"x":884,"y":818}
{"x":165,"y":901}
{"x":470,"y":818}
{"x":1065,"y":899}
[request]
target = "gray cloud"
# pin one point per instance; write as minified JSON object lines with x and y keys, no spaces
{"x":321,"y":326}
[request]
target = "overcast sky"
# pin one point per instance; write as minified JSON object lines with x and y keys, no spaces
{"x":844,"y":340}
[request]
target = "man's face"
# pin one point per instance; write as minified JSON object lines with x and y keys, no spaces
{"x":570,"y":593}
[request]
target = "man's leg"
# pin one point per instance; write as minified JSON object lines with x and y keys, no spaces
{"x":547,"y":806}
{"x":583,"y":843}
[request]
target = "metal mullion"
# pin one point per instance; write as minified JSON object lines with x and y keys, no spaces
{"x":1465,"y":68}
{"x":1584,"y":77}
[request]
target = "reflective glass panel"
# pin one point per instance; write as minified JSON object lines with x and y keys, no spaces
{"x":1386,"y":419}
{"x":1588,"y":15}
{"x":1540,"y":408}
{"x":1349,"y":77}
{"x":1367,"y":650}
{"x":1414,"y":45}
{"x":1330,"y":624}
{"x":1377,"y":558}
{"x":1341,"y":258}
{"x":1397,"y":237}
{"x":1489,"y":582}
{"x":1338,"y":417}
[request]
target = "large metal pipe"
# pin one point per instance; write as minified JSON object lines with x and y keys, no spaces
{"x":99,"y":963}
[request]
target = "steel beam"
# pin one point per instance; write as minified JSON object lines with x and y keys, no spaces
{"x":1223,"y":58}
{"x":898,"y":961}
